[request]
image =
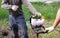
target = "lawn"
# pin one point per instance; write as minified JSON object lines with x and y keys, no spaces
{"x":48,"y":11}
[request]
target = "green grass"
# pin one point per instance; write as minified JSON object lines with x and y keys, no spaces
{"x":46,"y":10}
{"x":4,"y":22}
{"x":3,"y":13}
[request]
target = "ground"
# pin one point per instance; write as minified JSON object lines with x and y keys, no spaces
{"x":54,"y":34}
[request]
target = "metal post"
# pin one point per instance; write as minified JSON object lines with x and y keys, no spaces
{"x":37,"y":35}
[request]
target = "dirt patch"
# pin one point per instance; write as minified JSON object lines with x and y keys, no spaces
{"x":5,"y":32}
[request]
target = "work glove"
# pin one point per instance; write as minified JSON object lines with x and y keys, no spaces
{"x":50,"y":29}
{"x":38,"y":14}
{"x":15,"y":7}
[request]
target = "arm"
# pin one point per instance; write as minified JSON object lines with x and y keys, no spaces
{"x":5,"y":5}
{"x":30,"y":7}
{"x":57,"y":19}
{"x":56,"y":22}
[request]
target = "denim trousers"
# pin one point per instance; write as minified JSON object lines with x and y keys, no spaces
{"x":18,"y":21}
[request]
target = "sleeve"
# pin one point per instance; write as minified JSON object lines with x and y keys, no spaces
{"x":5,"y":5}
{"x":30,"y":6}
{"x":4,"y":2}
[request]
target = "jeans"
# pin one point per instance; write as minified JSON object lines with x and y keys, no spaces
{"x":18,"y":21}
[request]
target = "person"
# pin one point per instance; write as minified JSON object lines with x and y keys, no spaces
{"x":16,"y":15}
{"x":56,"y":22}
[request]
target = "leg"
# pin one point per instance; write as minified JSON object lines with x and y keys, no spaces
{"x":24,"y":31}
{"x":15,"y":30}
{"x":22,"y":24}
{"x":14,"y":26}
{"x":57,"y":20}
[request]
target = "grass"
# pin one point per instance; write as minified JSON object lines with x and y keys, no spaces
{"x":46,"y":10}
{"x":4,"y":22}
{"x":3,"y":13}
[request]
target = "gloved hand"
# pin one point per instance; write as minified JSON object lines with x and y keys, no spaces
{"x":38,"y":14}
{"x":50,"y":29}
{"x":15,"y":7}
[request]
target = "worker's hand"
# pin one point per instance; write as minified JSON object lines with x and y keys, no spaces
{"x":38,"y":14}
{"x":50,"y":29}
{"x":15,"y":7}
